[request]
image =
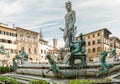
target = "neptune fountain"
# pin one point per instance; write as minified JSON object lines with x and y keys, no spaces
{"x":74,"y":49}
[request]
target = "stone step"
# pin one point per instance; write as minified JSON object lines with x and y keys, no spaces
{"x":19,"y":79}
{"x":25,"y":78}
{"x":113,"y":77}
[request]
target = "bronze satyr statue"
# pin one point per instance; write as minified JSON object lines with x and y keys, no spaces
{"x":70,"y":29}
{"x":78,"y":46}
{"x":105,"y":67}
{"x":3,"y":51}
{"x":22,"y":56}
{"x":78,"y":51}
{"x":113,"y":52}
{"x":54,"y":68}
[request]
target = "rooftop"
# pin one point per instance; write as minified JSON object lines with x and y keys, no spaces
{"x":114,"y":37}
{"x":26,"y":30}
{"x":100,"y":30}
{"x":7,"y":27}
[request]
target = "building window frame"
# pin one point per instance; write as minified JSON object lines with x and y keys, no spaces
{"x":29,"y":50}
{"x":89,"y":43}
{"x":89,"y":37}
{"x":98,"y":34}
{"x":93,"y":35}
{"x":93,"y":42}
{"x":89,"y":50}
{"x":93,"y":50}
{"x":98,"y":41}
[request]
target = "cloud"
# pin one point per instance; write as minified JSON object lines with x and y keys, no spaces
{"x":48,"y":15}
{"x":97,"y":3}
{"x":47,"y":22}
{"x":10,"y":8}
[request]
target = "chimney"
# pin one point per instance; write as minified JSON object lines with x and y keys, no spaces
{"x":13,"y":26}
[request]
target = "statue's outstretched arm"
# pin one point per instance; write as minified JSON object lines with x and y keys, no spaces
{"x":61,"y":29}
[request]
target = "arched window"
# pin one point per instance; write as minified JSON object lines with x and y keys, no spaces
{"x":41,"y":51}
{"x":35,"y":52}
{"x":98,"y":34}
{"x":89,"y":50}
{"x":93,"y":35}
{"x":9,"y":41}
{"x":0,"y":40}
{"x":12,"y":51}
{"x":93,"y":42}
{"x":22,"y":48}
{"x":21,"y":35}
{"x":3,"y":40}
{"x":29,"y":50}
{"x":3,"y":32}
{"x":44,"y":51}
{"x":99,"y":49}
{"x":88,"y":43}
{"x":93,"y":49}
{"x":88,"y":37}
{"x":98,"y":41}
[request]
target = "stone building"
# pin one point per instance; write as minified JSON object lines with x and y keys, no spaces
{"x":43,"y":47}
{"x":53,"y":49}
{"x":13,"y":39}
{"x":28,"y":40}
{"x":96,"y":42}
{"x":115,"y":43}
{"x":8,"y":40}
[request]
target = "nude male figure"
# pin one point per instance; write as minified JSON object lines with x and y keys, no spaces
{"x":70,"y":29}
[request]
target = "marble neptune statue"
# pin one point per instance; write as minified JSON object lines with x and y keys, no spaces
{"x":70,"y":29}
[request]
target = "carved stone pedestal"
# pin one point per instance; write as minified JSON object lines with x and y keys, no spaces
{"x":25,"y":61}
{"x":65,"y":55}
{"x":81,"y":58}
{"x":65,"y":51}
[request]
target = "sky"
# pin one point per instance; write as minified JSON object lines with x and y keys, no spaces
{"x":48,"y":15}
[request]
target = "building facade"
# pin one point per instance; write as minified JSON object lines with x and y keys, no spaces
{"x":96,"y":42}
{"x":33,"y":43}
{"x":28,"y":40}
{"x":115,"y":43}
{"x":8,"y":40}
{"x":43,"y":48}
{"x":53,"y":49}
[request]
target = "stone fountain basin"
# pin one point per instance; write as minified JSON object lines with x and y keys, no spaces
{"x":41,"y":69}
